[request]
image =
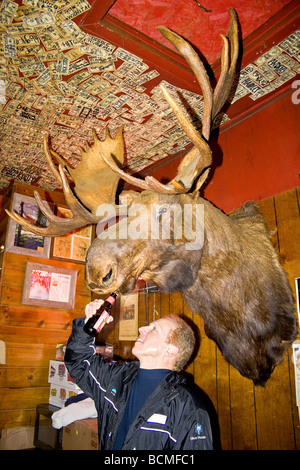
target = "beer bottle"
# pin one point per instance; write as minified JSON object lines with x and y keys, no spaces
{"x":95,"y":323}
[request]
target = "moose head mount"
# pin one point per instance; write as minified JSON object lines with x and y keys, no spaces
{"x":225,"y":266}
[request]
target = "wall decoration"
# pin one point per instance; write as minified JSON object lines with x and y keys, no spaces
{"x":270,"y":70}
{"x":49,"y":286}
{"x":19,"y":239}
{"x":296,"y":361}
{"x":128,"y":327}
{"x":73,"y":246}
{"x":56,"y":79}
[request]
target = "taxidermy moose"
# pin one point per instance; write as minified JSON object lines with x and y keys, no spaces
{"x":233,"y":280}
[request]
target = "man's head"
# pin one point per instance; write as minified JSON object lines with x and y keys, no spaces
{"x":184,"y":339}
{"x":167,"y":343}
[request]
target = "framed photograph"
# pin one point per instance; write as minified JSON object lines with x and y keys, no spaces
{"x":72,"y":246}
{"x":49,"y":286}
{"x":128,"y":326}
{"x":19,"y":239}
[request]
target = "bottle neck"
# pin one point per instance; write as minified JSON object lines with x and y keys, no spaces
{"x":111,"y":299}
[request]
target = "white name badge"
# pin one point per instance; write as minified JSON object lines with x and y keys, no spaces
{"x":157,"y":418}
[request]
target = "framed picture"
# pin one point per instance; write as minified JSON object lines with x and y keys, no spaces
{"x":49,"y":286}
{"x":72,"y":246}
{"x":19,"y":239}
{"x":128,"y":326}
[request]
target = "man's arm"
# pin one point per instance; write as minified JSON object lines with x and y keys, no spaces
{"x":199,"y":436}
{"x":195,"y":430}
{"x":85,"y":367}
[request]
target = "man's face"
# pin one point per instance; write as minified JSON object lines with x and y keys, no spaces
{"x":151,"y":346}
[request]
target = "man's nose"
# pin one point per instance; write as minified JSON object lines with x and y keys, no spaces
{"x":143,"y":329}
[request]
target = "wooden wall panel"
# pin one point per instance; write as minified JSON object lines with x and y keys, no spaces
{"x":249,"y":417}
{"x":30,"y":333}
{"x":223,"y":408}
{"x":288,"y":225}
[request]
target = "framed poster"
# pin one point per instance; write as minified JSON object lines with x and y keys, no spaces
{"x":72,"y":246}
{"x":49,"y":286}
{"x":128,"y":327}
{"x":19,"y":239}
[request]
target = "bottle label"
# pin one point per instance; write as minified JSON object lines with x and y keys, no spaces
{"x":101,"y":320}
{"x":111,"y":300}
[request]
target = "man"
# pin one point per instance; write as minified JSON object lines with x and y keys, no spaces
{"x":145,"y":404}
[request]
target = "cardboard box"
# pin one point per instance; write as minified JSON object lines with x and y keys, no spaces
{"x":59,"y":394}
{"x":17,"y":438}
{"x":58,"y":374}
{"x":81,"y":435}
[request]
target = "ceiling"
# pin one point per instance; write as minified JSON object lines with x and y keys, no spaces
{"x":68,"y":67}
{"x":201,"y":22}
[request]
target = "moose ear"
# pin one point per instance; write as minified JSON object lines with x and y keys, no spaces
{"x":176,"y":275}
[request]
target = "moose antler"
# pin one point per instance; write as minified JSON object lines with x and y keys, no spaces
{"x":87,"y":177}
{"x":198,"y":160}
{"x":58,"y":225}
{"x":96,"y":177}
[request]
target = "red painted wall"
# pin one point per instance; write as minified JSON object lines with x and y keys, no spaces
{"x":255,"y":159}
{"x":261,"y":156}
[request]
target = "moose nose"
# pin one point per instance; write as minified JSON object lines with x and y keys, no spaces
{"x":94,"y":287}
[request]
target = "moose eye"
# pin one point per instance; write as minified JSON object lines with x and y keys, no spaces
{"x":161,"y":211}
{"x":106,"y":278}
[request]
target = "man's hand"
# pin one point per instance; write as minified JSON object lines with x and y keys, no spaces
{"x":92,"y":308}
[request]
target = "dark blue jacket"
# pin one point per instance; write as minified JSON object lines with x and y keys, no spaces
{"x":172,"y":418}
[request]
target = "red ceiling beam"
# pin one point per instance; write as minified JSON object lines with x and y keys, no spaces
{"x":99,"y":9}
{"x":277,"y":28}
{"x":168,"y":63}
{"x":171,"y":66}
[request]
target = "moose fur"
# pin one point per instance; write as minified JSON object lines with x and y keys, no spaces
{"x":244,"y":297}
{"x":235,"y":282}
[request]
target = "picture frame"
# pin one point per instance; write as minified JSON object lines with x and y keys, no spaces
{"x":19,"y":239}
{"x":49,"y":286}
{"x":128,"y":325}
{"x":72,"y":246}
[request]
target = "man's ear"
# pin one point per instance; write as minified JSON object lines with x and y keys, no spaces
{"x":171,"y":350}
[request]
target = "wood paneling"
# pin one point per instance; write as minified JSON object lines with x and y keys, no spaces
{"x":30,"y":333}
{"x":250,"y":418}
